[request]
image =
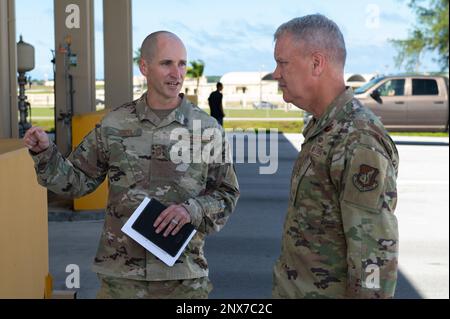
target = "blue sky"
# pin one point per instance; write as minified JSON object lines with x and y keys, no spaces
{"x":237,"y":35}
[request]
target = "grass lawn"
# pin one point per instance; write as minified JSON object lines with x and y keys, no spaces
{"x":47,"y":125}
{"x":30,"y":92}
{"x":38,"y":89}
{"x":283,"y":127}
{"x":429,"y":134}
{"x":263,"y":113}
{"x":47,"y":111}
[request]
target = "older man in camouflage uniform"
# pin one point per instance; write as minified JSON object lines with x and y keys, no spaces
{"x":340,"y":237}
{"x":132,"y":147}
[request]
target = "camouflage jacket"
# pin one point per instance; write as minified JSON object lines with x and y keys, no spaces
{"x":340,"y":238}
{"x":131,"y":146}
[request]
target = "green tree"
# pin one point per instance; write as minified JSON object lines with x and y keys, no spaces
{"x":195,"y":71}
{"x":430,"y":34}
{"x":137,"y":56}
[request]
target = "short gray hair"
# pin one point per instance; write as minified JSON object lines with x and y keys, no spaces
{"x":318,"y":32}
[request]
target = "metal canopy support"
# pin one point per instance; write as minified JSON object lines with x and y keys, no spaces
{"x":75,"y":65}
{"x":8,"y":71}
{"x":117,"y":28}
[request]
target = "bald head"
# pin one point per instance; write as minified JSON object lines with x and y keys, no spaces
{"x":149,"y":45}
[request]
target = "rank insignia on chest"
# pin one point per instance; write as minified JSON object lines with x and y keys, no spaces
{"x":365,"y":180}
{"x":328,"y":128}
{"x":159,"y":151}
{"x":316,"y":150}
{"x":126,"y":132}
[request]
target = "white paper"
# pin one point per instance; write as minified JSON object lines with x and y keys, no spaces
{"x":147,"y":244}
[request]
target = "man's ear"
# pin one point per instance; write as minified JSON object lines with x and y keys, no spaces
{"x":143,"y":66}
{"x":319,"y":62}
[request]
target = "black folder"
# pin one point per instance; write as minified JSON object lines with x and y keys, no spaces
{"x":144,"y":225}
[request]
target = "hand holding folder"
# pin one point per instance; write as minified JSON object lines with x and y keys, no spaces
{"x":140,"y":228}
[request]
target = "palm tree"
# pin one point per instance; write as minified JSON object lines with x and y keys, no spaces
{"x":196,"y":71}
{"x":137,"y":56}
{"x":136,"y":59}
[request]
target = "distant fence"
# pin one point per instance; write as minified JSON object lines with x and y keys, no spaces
{"x":41,"y":99}
{"x":239,"y":101}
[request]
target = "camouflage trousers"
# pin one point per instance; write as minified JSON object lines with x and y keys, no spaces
{"x":122,"y":288}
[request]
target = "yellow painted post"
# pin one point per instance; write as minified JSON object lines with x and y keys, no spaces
{"x":81,"y":126}
{"x":24,"y":225}
{"x":193,"y":99}
{"x":48,"y":287}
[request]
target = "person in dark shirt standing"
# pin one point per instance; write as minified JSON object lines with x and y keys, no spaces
{"x":215,"y":104}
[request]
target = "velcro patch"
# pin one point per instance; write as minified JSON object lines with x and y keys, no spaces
{"x":160,"y":152}
{"x":316,"y":150}
{"x":124,"y":133}
{"x":129,"y":133}
{"x":365,"y":178}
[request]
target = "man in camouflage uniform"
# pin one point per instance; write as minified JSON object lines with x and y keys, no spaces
{"x":340,"y":237}
{"x":132,"y":147}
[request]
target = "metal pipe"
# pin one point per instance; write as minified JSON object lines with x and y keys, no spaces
{"x":24,"y":125}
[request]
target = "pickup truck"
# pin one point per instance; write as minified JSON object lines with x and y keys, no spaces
{"x":408,"y":102}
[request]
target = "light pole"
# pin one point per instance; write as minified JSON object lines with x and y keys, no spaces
{"x":260,"y":83}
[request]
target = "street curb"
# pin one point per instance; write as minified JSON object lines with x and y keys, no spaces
{"x":421,"y":143}
{"x":420,"y":140}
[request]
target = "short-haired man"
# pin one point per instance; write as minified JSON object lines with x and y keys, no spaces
{"x":132,"y":147}
{"x":340,"y":238}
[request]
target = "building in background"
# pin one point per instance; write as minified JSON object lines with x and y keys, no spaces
{"x":242,"y":89}
{"x":356,"y":80}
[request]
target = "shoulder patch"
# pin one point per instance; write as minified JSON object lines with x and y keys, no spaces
{"x":365,"y":178}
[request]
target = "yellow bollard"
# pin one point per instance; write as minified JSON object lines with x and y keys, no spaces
{"x":81,"y":126}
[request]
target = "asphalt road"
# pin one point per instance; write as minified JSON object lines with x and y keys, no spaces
{"x":241,"y":256}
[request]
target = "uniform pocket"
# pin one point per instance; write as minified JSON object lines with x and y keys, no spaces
{"x":296,"y":181}
{"x":161,"y":166}
{"x":188,"y":178}
{"x":125,"y":169}
{"x":365,"y":182}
